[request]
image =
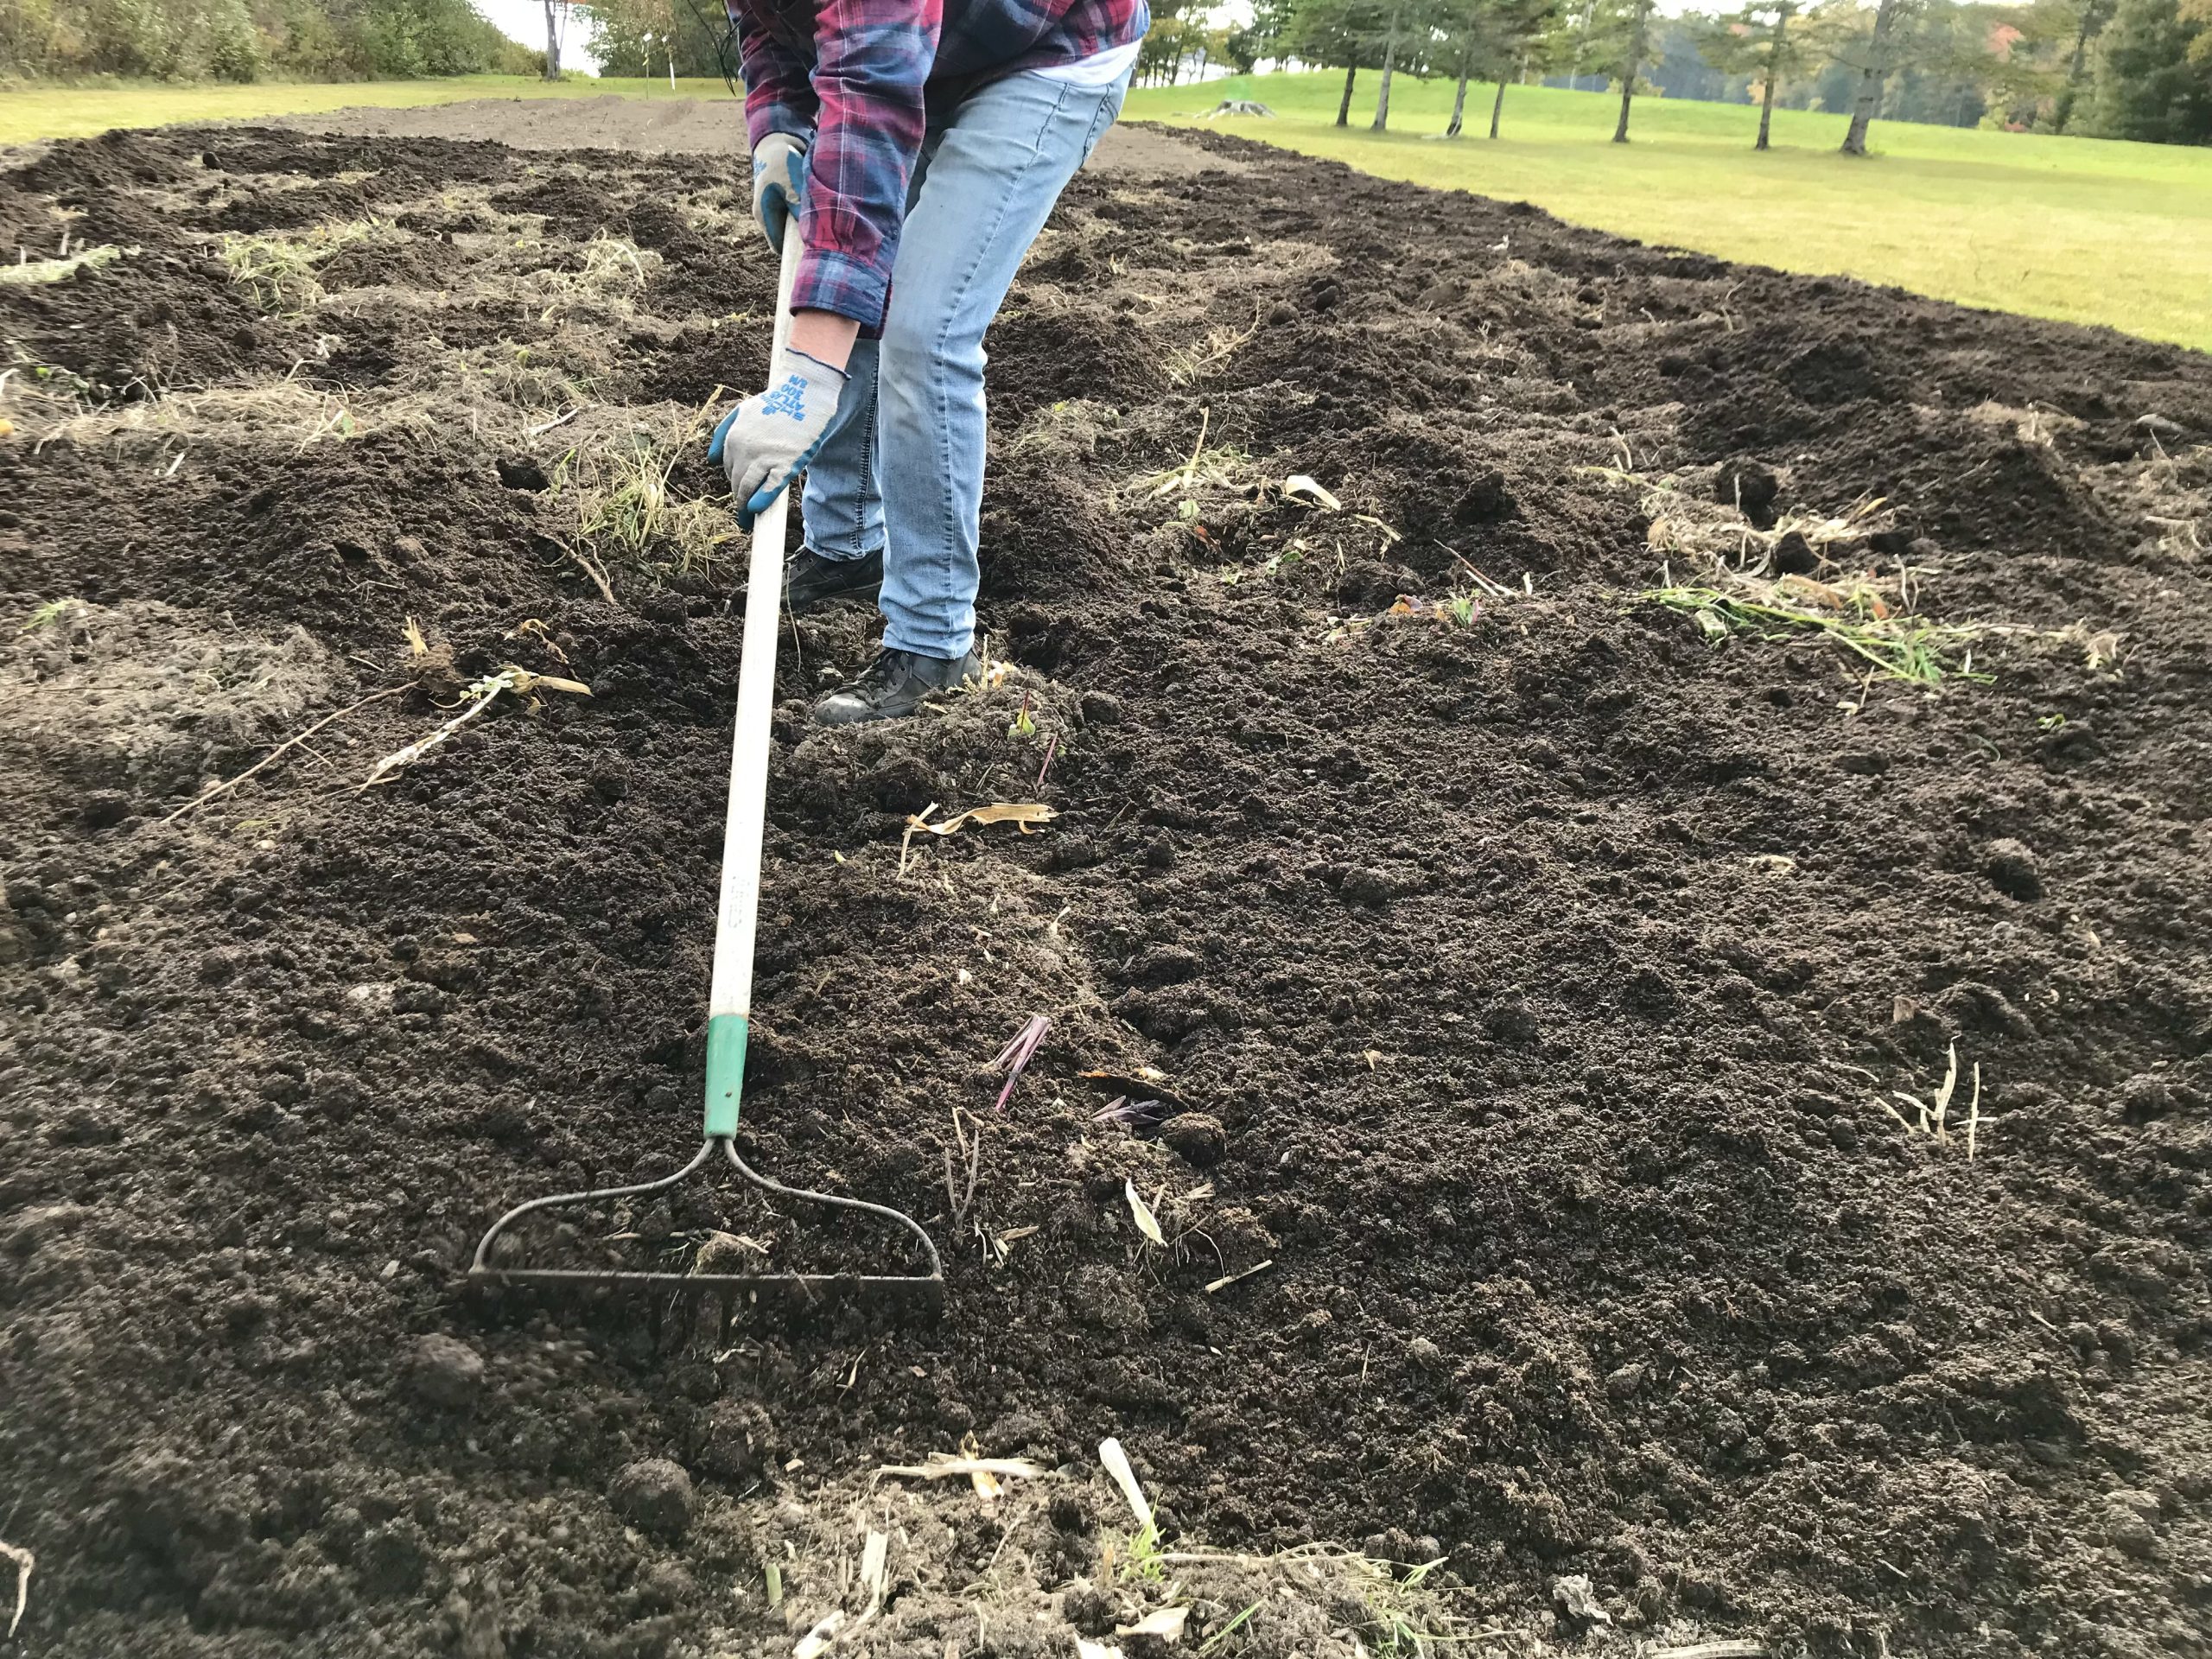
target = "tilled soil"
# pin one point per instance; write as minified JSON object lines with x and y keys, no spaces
{"x":1520,"y":965}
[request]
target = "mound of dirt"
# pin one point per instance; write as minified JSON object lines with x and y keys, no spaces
{"x":1559,"y":748}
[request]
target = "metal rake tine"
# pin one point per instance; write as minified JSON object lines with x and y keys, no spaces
{"x":482,"y":1265}
{"x":769,"y":1183}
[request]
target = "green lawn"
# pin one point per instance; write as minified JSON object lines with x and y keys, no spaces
{"x":2079,"y":229}
{"x":2085,"y":230}
{"x":80,"y":111}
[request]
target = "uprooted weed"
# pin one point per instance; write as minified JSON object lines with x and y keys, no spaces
{"x":1806,"y":572}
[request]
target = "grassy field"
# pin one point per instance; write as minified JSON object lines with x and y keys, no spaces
{"x":2084,"y":230}
{"x":2077,"y":229}
{"x":80,"y":111}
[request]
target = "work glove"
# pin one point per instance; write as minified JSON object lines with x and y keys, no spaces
{"x":779,"y":180}
{"x":767,"y":441}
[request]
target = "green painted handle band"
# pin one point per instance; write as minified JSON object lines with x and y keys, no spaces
{"x":724,"y":1070}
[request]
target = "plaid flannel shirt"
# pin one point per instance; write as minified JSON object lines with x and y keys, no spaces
{"x":860,"y":79}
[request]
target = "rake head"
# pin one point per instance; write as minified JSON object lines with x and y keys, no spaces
{"x":921,"y":1289}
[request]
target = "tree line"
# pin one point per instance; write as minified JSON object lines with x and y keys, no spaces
{"x":252,"y":40}
{"x":2138,"y":69}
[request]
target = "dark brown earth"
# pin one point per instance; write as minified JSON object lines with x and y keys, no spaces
{"x":1544,"y":969}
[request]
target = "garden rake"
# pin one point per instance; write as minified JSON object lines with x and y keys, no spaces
{"x":730,"y":998}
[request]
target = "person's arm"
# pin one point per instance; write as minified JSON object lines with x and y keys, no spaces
{"x":872,"y":58}
{"x":825,"y":336}
{"x":779,"y":96}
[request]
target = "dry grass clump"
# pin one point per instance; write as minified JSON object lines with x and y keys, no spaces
{"x":626,"y":509}
{"x":611,"y":272}
{"x":279,"y":267}
{"x":271,"y":412}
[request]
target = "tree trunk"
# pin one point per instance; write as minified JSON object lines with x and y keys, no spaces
{"x":1389,"y":58}
{"x":1498,"y":106}
{"x":2063,"y":109}
{"x":1870,"y":79}
{"x":1460,"y":102}
{"x":1344,"y":109}
{"x":1627,"y":70}
{"x":1773,"y":74}
{"x":552,"y":40}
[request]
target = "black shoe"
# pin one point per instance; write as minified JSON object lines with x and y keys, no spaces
{"x":812,"y":581}
{"x":894,"y":684}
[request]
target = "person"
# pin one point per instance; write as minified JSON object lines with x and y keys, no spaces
{"x":918,"y":147}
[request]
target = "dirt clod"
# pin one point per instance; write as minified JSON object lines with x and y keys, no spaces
{"x":2013,"y":870}
{"x":653,"y":1494}
{"x":1196,"y":1137}
{"x":445,"y":1372}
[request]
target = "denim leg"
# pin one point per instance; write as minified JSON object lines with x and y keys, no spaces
{"x":998,"y":165}
{"x":841,"y":508}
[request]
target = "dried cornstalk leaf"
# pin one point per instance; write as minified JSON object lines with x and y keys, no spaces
{"x":1299,"y":487}
{"x":485,"y":692}
{"x":1166,"y":1623}
{"x":943,"y":1466}
{"x":1943,"y":1094}
{"x":1117,"y":1464}
{"x":874,"y":1572}
{"x":416,"y":645}
{"x":1228,"y":1279}
{"x":1024,"y":815}
{"x":24,"y":1562}
{"x":1147,"y":1223}
{"x":1086,"y":1648}
{"x":527,"y":682}
{"x":819,"y":1640}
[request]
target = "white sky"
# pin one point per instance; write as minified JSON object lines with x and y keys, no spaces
{"x":524,"y":21}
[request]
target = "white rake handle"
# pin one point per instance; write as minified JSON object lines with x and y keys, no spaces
{"x":729,"y":1003}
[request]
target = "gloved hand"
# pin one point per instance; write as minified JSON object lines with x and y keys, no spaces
{"x":767,"y":441}
{"x":778,"y":179}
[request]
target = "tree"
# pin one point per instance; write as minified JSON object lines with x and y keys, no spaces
{"x":1756,"y":40}
{"x":1489,"y":38}
{"x":1618,"y":32}
{"x":1874,"y":56}
{"x":645,"y":37}
{"x":2154,"y":77}
{"x":1463,"y":25}
{"x":1389,"y":64}
{"x":1269,"y":28}
{"x":554,"y":18}
{"x":241,"y":40}
{"x":2093,"y":15}
{"x":1336,"y":34}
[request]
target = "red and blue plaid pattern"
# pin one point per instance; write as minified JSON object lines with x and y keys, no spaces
{"x":859,"y":80}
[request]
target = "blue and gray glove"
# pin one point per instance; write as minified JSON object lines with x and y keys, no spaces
{"x":778,"y":180}
{"x":765,"y":442}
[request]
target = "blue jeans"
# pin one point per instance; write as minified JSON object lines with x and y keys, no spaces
{"x":902,"y":468}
